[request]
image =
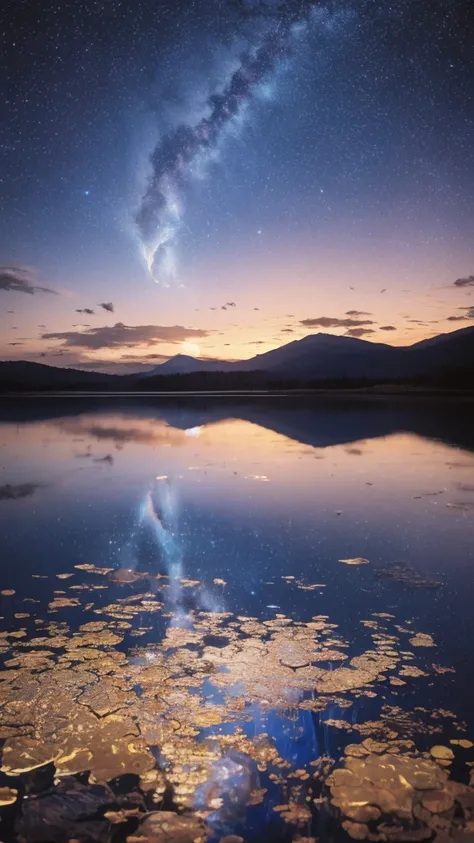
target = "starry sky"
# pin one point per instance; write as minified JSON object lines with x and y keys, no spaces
{"x":220,"y":177}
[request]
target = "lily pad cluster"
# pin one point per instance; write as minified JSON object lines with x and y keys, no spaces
{"x":110,"y":686}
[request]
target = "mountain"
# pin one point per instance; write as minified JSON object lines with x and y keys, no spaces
{"x":20,"y":373}
{"x":328,"y":357}
{"x":183,"y":364}
{"x":444,"y":360}
{"x":325,"y":356}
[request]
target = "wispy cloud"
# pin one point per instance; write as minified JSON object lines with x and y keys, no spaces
{"x":358,"y":313}
{"x":465,"y":282}
{"x":107,"y":305}
{"x":120,"y":335}
{"x":467,"y":316}
{"x":140,"y":357}
{"x":359,"y":332}
{"x":387,"y":328}
{"x":19,"y":279}
{"x":333,"y":322}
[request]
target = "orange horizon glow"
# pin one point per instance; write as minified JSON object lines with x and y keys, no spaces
{"x":268,"y":313}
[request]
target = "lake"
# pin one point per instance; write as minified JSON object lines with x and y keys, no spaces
{"x":238,"y":618}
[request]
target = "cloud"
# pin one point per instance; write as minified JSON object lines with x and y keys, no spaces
{"x":287,"y":331}
{"x":85,"y":310}
{"x":468,"y":316}
{"x":231,"y":304}
{"x":387,"y":328}
{"x":358,"y":313}
{"x":469,"y":311}
{"x":18,"y":279}
{"x":107,"y":305}
{"x":332,"y":322}
{"x":15,"y":343}
{"x":359,"y":332}
{"x":163,"y":357}
{"x":13,"y":493}
{"x":119,"y":335}
{"x":465,"y":282}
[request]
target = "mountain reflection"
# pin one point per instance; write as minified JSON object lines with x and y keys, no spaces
{"x":318,"y":423}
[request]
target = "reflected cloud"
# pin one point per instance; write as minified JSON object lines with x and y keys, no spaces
{"x":118,"y":430}
{"x":465,"y":487}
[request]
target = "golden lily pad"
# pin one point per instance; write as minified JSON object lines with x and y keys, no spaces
{"x":294,"y":813}
{"x":357,"y":831}
{"x":363,"y":813}
{"x":93,"y":569}
{"x":63,"y":603}
{"x":437,"y":801}
{"x":23,"y":754}
{"x":124,"y":575}
{"x":8,"y":795}
{"x":105,"y":698}
{"x":442,"y":753}
{"x":167,"y":827}
{"x":422,"y":639}
{"x":96,"y":708}
{"x":358,"y":560}
{"x":153,"y":780}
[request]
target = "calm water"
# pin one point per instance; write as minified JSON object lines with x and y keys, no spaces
{"x":228,"y":520}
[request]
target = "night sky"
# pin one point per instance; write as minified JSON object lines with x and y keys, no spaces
{"x":220,"y":177}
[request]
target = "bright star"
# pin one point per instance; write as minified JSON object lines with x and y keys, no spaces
{"x":86,"y":193}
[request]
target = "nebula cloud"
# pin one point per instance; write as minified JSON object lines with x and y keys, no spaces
{"x":183,"y":151}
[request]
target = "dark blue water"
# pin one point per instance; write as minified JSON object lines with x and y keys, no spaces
{"x":253,"y":492}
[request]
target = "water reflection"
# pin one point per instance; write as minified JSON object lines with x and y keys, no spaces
{"x":181,"y":634}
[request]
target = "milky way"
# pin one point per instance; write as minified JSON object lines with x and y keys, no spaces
{"x":172,"y":161}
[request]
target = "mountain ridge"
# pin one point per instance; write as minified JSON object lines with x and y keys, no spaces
{"x":315,"y":358}
{"x":337,"y":357}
